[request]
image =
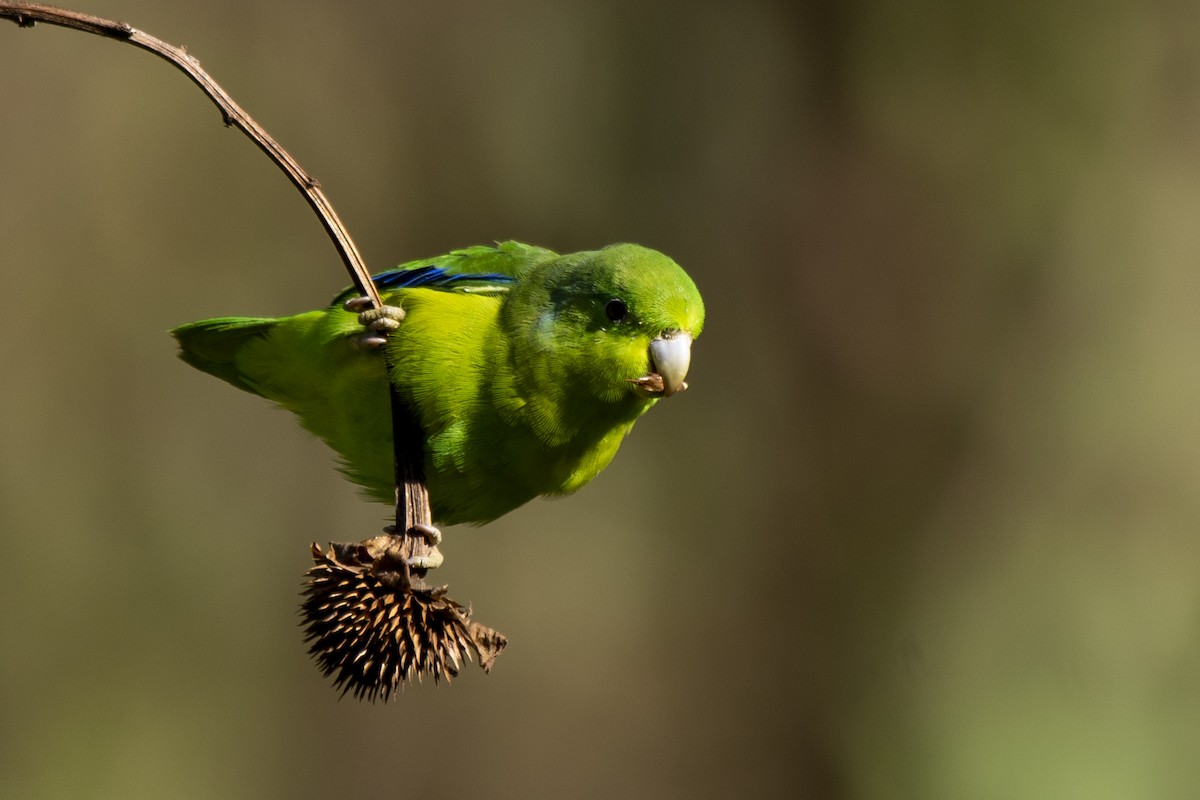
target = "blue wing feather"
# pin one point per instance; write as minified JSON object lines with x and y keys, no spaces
{"x":434,"y":277}
{"x":474,"y":269}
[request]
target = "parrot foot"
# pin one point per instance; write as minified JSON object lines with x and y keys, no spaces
{"x":358,"y":304}
{"x":433,"y":537}
{"x":379,"y":322}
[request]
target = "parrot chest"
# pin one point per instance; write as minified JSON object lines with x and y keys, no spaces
{"x":481,"y":468}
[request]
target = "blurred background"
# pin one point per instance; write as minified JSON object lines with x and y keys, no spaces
{"x":925,"y":527}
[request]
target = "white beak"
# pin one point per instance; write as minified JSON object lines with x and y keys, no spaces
{"x":670,"y":356}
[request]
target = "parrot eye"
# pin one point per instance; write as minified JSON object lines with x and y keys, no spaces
{"x":616,"y":310}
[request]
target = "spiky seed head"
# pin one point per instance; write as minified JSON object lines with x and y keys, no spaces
{"x":373,"y":631}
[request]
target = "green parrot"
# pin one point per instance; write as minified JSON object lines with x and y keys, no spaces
{"x":524,"y":368}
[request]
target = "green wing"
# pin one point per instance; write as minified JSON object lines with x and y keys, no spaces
{"x":214,"y":345}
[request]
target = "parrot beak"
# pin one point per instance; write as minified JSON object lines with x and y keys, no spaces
{"x":670,"y":356}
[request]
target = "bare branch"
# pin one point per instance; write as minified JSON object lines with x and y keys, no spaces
{"x":27,"y":14}
{"x":422,"y":631}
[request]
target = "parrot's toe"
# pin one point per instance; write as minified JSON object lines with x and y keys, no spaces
{"x":433,"y":537}
{"x":379,"y":322}
{"x":371,"y":341}
{"x":427,"y":562}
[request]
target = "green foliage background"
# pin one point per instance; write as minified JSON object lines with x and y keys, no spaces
{"x":925,"y":526}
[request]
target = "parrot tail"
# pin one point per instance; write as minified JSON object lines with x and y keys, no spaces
{"x":212,"y":345}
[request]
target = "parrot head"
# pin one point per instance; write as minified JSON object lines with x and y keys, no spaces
{"x":618,"y":322}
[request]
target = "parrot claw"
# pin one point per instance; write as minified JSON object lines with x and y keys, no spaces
{"x":382,"y":320}
{"x":431,"y":561}
{"x":433,"y":537}
{"x":379,"y":322}
{"x":371,"y":341}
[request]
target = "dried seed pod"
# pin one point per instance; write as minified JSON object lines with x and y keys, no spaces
{"x":373,"y":630}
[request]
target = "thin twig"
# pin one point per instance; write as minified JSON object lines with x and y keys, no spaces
{"x":412,"y":501}
{"x":26,"y":14}
{"x":411,"y":494}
